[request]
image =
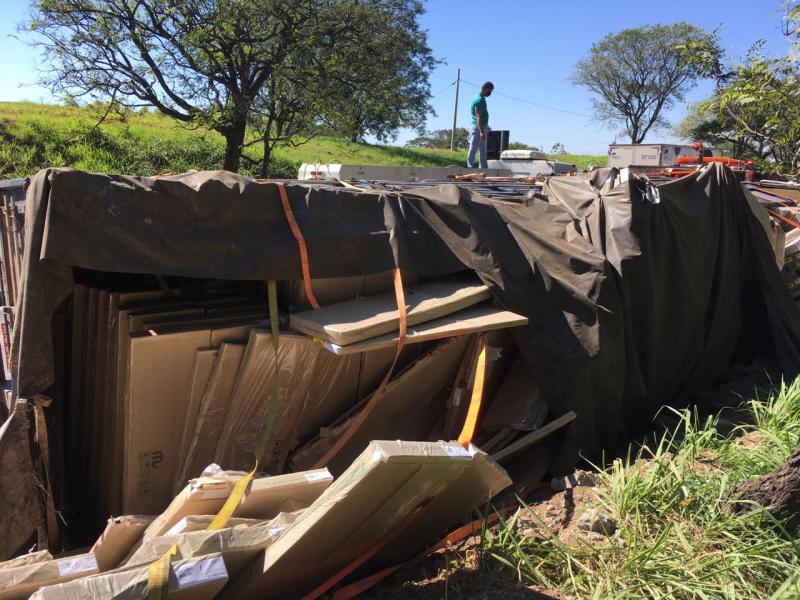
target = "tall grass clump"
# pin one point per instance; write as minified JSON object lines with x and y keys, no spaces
{"x":678,"y":535}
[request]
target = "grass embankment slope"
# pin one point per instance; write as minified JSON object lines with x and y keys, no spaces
{"x":665,"y":523}
{"x":35,"y":136}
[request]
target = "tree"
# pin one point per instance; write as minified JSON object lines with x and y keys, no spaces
{"x":202,"y":62}
{"x":558,"y":148}
{"x":706,"y":123}
{"x":522,"y":146}
{"x":761,"y":100}
{"x":276,"y":67}
{"x":441,"y":139}
{"x":387,"y":62}
{"x":638,"y":73}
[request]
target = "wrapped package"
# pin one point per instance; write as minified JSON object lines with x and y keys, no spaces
{"x":238,"y":544}
{"x":381,"y":488}
{"x":118,"y":539}
{"x":200,"y":522}
{"x":26,"y":559}
{"x":18,"y":583}
{"x":266,"y":497}
{"x":192,"y":579}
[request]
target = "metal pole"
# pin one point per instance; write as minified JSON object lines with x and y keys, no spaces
{"x":455,"y":113}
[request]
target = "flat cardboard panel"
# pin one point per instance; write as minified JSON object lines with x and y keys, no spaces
{"x":386,"y":482}
{"x":363,"y":318}
{"x":405,"y":398}
{"x":252,"y":398}
{"x":214,"y":406}
{"x":159,"y":370}
{"x":192,"y":579}
{"x":518,"y":403}
{"x":484,"y":317}
{"x":201,"y":372}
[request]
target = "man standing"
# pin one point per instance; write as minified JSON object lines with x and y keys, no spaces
{"x":480,"y":125}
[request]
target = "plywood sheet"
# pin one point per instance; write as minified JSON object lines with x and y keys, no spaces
{"x":475,"y":319}
{"x":363,"y":318}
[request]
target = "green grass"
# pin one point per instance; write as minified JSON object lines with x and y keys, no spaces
{"x":35,"y":136}
{"x":678,"y":536}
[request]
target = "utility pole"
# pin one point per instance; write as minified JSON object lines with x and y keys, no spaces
{"x":455,"y":113}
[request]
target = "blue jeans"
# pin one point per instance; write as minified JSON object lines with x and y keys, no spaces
{"x":476,"y":143}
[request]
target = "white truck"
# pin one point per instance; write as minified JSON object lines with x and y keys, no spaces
{"x":648,"y":155}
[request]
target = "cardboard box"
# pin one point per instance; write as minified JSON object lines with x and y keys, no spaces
{"x":379,"y":490}
{"x":118,"y":539}
{"x":267,"y":497}
{"x":193,"y":579}
{"x":18,"y":583}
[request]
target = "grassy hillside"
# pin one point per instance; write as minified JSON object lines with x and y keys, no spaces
{"x":35,"y":136}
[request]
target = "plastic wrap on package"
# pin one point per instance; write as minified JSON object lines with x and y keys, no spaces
{"x":18,"y":583}
{"x":298,"y":361}
{"x":238,"y":544}
{"x":265,"y":498}
{"x":26,"y":559}
{"x":118,"y":539}
{"x":204,"y":359}
{"x":212,"y":412}
{"x":192,"y":579}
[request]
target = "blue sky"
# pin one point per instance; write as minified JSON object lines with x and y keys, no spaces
{"x":526,"y":47}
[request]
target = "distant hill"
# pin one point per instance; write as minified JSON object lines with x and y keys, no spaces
{"x":35,"y":136}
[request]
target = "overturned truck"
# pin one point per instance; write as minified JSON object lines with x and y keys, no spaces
{"x":221,"y":361}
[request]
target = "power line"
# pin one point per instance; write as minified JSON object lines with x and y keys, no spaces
{"x":443,"y":90}
{"x":536,"y":104}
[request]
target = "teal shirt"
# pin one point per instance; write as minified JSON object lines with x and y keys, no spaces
{"x":479,"y":105}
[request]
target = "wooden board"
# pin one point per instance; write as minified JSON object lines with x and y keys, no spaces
{"x":363,"y":318}
{"x":475,"y":319}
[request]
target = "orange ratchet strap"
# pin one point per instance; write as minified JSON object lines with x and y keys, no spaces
{"x":362,"y":585}
{"x":471,"y":420}
{"x":301,"y":244}
{"x":370,"y":552}
{"x":373,"y":400}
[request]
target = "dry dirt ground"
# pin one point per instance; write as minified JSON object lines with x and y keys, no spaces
{"x":456,"y":573}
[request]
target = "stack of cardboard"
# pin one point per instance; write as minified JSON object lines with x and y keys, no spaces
{"x":169,"y":387}
{"x":301,"y":530}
